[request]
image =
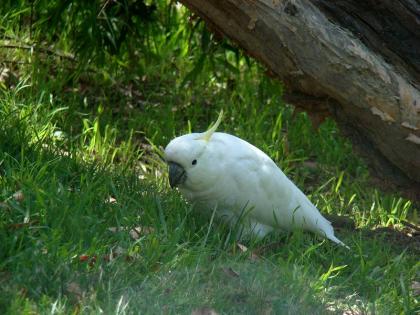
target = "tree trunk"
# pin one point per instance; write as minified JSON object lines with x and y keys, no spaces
{"x":357,"y":60}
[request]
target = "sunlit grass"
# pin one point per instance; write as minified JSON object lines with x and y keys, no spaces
{"x":66,"y":214}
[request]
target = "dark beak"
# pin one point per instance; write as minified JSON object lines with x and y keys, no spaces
{"x":177,"y":174}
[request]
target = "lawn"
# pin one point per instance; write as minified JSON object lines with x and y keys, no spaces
{"x":89,"y":224}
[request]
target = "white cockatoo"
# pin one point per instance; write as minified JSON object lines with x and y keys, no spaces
{"x":241,"y":184}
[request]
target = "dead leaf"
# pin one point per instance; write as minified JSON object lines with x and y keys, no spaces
{"x":115,"y":252}
{"x":411,"y":225}
{"x":111,"y":200}
{"x":91,"y":260}
{"x":18,"y":196}
{"x":118,"y":250}
{"x":204,"y":311}
{"x":135,"y":233}
{"x":230,"y":272}
{"x":4,"y":74}
{"x":242,"y":247}
{"x":138,"y":231}
{"x":74,"y":289}
{"x":415,"y":287}
{"x":16,"y":226}
{"x":252,"y":256}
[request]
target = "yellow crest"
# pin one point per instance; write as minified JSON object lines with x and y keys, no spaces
{"x":207,"y":135}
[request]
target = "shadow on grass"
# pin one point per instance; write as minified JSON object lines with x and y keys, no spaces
{"x":65,"y":215}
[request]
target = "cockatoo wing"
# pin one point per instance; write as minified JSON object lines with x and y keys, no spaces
{"x":259,"y":188}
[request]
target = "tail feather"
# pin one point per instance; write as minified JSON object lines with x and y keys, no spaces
{"x":336,"y":240}
{"x":324,"y":227}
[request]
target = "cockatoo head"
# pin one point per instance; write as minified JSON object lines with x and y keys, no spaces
{"x":191,"y":160}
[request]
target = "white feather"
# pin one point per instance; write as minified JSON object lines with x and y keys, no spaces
{"x":240,"y":180}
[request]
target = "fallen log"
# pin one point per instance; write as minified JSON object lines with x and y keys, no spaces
{"x":357,"y":61}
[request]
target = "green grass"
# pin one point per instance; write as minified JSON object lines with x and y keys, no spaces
{"x":67,"y":147}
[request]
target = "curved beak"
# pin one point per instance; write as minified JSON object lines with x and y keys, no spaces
{"x":177,"y":174}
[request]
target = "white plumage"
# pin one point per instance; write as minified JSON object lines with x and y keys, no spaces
{"x":220,"y":171}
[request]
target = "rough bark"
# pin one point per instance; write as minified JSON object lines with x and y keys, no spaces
{"x":357,"y":59}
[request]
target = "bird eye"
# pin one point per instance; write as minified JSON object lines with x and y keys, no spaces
{"x":194,"y":162}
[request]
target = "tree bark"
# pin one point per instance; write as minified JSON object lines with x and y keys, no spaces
{"x":358,"y":60}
